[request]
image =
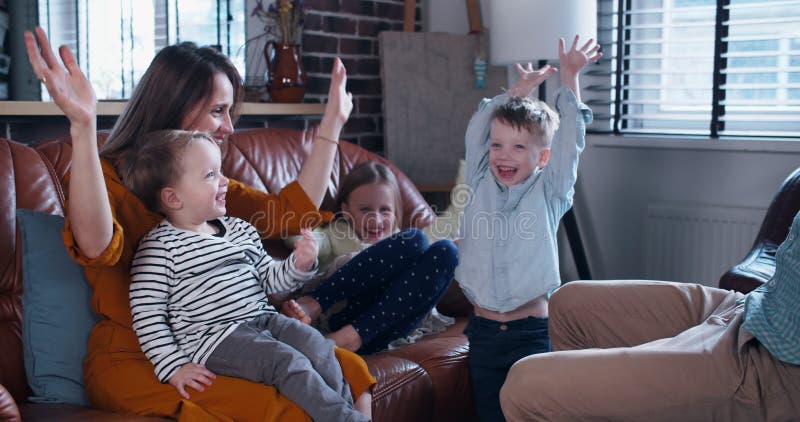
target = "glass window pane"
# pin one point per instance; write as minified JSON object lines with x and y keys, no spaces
{"x":668,"y":67}
{"x":671,"y":67}
{"x":114,"y":41}
{"x":762,"y":48}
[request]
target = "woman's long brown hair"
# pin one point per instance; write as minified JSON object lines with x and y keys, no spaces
{"x":180,"y":77}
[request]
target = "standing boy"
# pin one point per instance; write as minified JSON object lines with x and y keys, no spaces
{"x":509,"y":255}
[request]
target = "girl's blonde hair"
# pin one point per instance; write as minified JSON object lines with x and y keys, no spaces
{"x":367,"y":173}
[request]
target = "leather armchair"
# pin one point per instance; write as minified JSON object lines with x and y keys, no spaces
{"x":759,"y":264}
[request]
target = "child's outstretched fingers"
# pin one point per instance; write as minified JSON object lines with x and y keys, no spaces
{"x":529,"y":78}
{"x":522,"y":70}
{"x":594,"y":53}
{"x":574,"y":59}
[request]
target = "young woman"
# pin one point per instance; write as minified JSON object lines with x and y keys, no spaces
{"x":188,"y":88}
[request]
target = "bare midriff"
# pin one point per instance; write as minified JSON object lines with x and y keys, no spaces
{"x":536,"y":308}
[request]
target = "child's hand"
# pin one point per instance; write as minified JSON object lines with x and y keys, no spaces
{"x":529,"y":79}
{"x":575,"y":59}
{"x":191,"y":375}
{"x":305,"y":251}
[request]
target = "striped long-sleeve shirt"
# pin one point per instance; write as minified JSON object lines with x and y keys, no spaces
{"x":190,"y":290}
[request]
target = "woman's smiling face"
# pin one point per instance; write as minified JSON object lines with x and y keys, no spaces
{"x":213,"y":115}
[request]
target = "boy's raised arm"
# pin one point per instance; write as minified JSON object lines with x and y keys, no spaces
{"x":574,"y":60}
{"x":568,"y":142}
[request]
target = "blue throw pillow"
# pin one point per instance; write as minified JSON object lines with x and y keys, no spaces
{"x":56,"y":312}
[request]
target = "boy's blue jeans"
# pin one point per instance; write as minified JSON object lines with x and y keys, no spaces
{"x":493,"y":348}
{"x":389,"y":287}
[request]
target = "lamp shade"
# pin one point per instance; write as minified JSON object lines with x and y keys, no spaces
{"x":527,"y":30}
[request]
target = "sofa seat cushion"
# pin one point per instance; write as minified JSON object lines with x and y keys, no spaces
{"x":444,"y":357}
{"x":400,"y":382}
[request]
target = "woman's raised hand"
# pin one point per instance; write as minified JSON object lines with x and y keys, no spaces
{"x":71,"y":90}
{"x":318,"y":165}
{"x":340,"y":102}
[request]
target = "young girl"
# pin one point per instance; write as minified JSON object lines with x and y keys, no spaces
{"x":389,"y":280}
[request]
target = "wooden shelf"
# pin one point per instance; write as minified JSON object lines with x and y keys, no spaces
{"x":114,"y":108}
{"x":276,"y":109}
{"x":435,"y":187}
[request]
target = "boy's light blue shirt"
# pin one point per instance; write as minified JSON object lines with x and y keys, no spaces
{"x":507,"y":248}
{"x":771,"y":311}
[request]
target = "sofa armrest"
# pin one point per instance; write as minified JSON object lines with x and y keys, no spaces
{"x":756,"y":269}
{"x":8,"y":407}
{"x":759,"y":264}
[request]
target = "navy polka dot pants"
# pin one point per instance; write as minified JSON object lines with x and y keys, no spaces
{"x":389,"y":287}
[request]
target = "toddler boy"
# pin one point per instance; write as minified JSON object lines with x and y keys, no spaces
{"x":200,"y":282}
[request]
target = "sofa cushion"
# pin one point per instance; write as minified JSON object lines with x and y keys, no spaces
{"x":444,"y":357}
{"x":57,"y":315}
{"x":404,"y":391}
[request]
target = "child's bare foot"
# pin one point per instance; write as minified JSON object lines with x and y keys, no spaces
{"x":347,"y":338}
{"x":291,"y":309}
{"x":305,"y":309}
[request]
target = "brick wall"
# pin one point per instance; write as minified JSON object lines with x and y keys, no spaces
{"x":349,"y":29}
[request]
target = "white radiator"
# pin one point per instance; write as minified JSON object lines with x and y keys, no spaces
{"x":697,"y":243}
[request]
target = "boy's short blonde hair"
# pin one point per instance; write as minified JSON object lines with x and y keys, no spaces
{"x":531,"y":115}
{"x":156,"y":163}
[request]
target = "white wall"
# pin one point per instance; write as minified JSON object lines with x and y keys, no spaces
{"x":449,"y":16}
{"x":619,"y":176}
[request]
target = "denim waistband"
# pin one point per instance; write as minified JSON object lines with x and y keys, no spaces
{"x":527,"y":323}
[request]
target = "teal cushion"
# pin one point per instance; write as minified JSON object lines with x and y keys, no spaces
{"x":56,"y":312}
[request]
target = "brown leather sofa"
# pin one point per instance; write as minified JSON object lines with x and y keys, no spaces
{"x":425,"y":381}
